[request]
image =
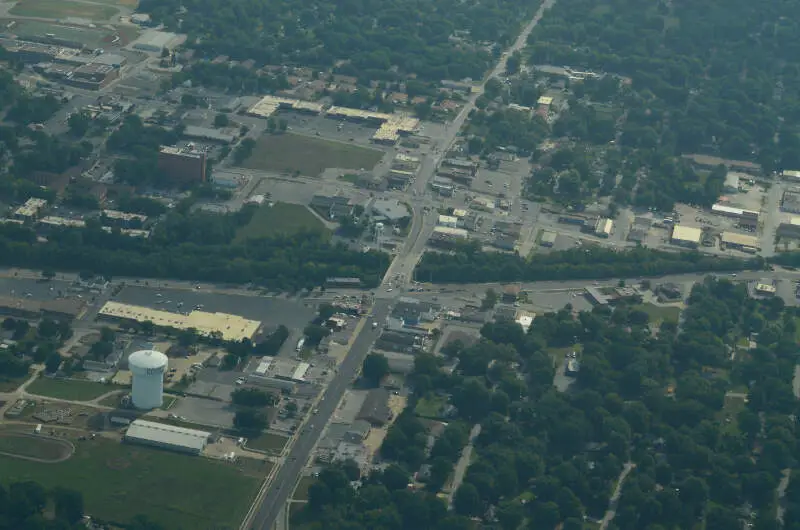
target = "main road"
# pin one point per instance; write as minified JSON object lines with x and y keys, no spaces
{"x":423,"y":222}
{"x":270,"y":502}
{"x":284,"y":481}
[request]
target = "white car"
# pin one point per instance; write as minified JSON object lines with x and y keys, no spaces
{"x":240,"y":381}
{"x":389,"y":290}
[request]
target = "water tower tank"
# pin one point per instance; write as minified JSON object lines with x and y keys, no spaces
{"x":147,"y":368}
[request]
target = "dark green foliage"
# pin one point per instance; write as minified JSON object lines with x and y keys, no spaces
{"x":469,"y":264}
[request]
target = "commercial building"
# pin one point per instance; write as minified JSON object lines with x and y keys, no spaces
{"x":740,"y":241}
{"x":790,"y":228}
{"x":597,"y":297}
{"x":332,"y":206}
{"x":443,"y":186}
{"x":464,"y":165}
{"x":444,"y":235}
{"x":448,"y":220}
{"x":123,"y":218}
{"x":155,"y":41}
{"x":207,"y":133}
{"x":686,"y":236}
{"x":603,"y":227}
{"x":399,"y":178}
{"x":269,"y":105}
{"x":405,"y":162}
{"x":93,"y":76}
{"x":180,"y":439}
{"x":30,"y":209}
{"x":59,"y":309}
{"x":182,"y":165}
{"x":228,"y":327}
{"x":52,"y":221}
{"x":745,"y":217}
{"x":279,"y":374}
{"x":765,"y":289}
{"x":790,"y":202}
{"x":548,"y":238}
{"x":791,"y":174}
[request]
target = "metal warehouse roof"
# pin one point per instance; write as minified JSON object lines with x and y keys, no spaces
{"x":732,"y":238}
{"x":232,"y":327}
{"x":167,"y":434}
{"x":686,"y":233}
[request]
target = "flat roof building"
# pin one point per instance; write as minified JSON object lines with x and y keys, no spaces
{"x":448,"y":220}
{"x":167,"y":436}
{"x":548,"y":238}
{"x":687,"y":236}
{"x":155,"y":41}
{"x":31,"y":208}
{"x":740,"y":241}
{"x":603,"y":227}
{"x":790,"y":201}
{"x":269,"y":105}
{"x":790,"y":228}
{"x":765,"y":289}
{"x":229,"y":327}
{"x":182,"y":165}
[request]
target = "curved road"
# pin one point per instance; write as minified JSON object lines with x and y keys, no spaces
{"x":269,"y":502}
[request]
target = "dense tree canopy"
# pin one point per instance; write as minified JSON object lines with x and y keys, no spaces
{"x":434,"y":40}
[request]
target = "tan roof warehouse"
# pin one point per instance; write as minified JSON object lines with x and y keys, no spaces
{"x":232,"y":327}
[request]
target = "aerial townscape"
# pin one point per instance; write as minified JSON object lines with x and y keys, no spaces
{"x":427,"y":265}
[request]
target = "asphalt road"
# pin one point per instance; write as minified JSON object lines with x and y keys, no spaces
{"x":283,"y":483}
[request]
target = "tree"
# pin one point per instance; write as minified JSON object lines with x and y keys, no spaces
{"x":69,"y":505}
{"x":489,"y":300}
{"x":250,"y":420}
{"x":375,"y":368}
{"x":52,"y":363}
{"x":314,"y":334}
{"x":467,"y":501}
{"x":79,"y":123}
{"x":221,"y":120}
{"x":252,"y":397}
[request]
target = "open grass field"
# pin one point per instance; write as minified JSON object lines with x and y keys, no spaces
{"x":68,"y":389}
{"x":119,"y":481}
{"x":59,"y":9}
{"x":430,"y":406}
{"x":659,"y":314}
{"x":289,"y":153}
{"x":301,"y":492}
{"x":280,"y":218}
{"x":268,"y":442}
{"x":11,"y":384}
{"x":26,"y":445}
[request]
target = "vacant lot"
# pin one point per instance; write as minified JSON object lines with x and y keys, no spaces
{"x":120,"y":481}
{"x":659,"y":314}
{"x":273,"y":443}
{"x":68,"y":389}
{"x":29,"y":446}
{"x":290,"y":153}
{"x":280,"y":218}
{"x":58,"y":9}
{"x":430,"y":406}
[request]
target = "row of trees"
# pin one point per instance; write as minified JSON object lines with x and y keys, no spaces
{"x":197,"y":246}
{"x":469,"y":264}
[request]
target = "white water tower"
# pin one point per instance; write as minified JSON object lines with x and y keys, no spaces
{"x":147,"y":367}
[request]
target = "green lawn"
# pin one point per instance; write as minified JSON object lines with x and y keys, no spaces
{"x":289,"y":153}
{"x":430,"y":406}
{"x":557,"y":354}
{"x":268,"y":442}
{"x":68,"y":389}
{"x":659,"y":314}
{"x":119,"y":481}
{"x":58,"y":9}
{"x":280,"y":218}
{"x":301,"y":493}
{"x":11,"y":384}
{"x":33,"y":446}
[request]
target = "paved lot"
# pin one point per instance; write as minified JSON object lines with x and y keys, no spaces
{"x":204,"y":411}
